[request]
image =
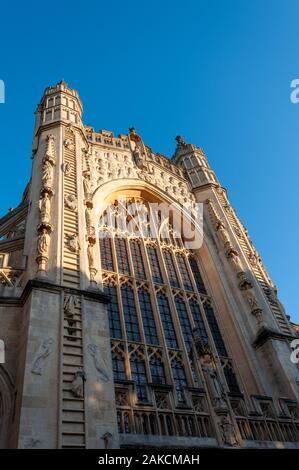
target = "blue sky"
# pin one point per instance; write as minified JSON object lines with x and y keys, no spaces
{"x":216,"y":72}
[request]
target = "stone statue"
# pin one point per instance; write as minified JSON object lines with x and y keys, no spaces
{"x":47,"y":174}
{"x":69,"y":305}
{"x":234,"y":259}
{"x":70,"y":202}
{"x":43,"y":242}
{"x":90,"y":254}
{"x":222,"y":232}
{"x":88,"y":217}
{"x":251,"y":299}
{"x":77,"y":385}
{"x":180,"y":141}
{"x":214,"y":383}
{"x":45,"y":207}
{"x":73,"y":242}
{"x":87,"y":185}
{"x":44,"y":351}
{"x":228,"y":432}
{"x":66,"y":168}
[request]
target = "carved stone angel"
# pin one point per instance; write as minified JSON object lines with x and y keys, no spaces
{"x":43,"y":242}
{"x":47,"y":174}
{"x":45,"y":207}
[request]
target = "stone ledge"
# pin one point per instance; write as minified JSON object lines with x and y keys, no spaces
{"x":35,"y":284}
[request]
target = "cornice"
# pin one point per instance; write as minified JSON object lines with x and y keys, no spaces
{"x":40,"y":284}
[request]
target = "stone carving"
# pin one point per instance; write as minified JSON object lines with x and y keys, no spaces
{"x":228,"y":432}
{"x":45,"y":207}
{"x":73,"y":242}
{"x":88,"y":217}
{"x":44,"y":351}
{"x":43,"y":243}
{"x":67,"y":169}
{"x":87,"y":185}
{"x":244,"y":282}
{"x":68,"y":144}
{"x":234,"y":259}
{"x":31,"y":443}
{"x":208,"y":366}
{"x":98,"y":361}
{"x":180,"y":141}
{"x":77,"y":385}
{"x":69,"y":305}
{"x":90,"y":255}
{"x":70,"y":202}
{"x":47,"y":174}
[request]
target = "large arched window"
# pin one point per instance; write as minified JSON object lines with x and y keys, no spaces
{"x":158,"y":299}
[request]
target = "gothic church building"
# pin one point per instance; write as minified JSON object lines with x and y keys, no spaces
{"x":117,"y":337}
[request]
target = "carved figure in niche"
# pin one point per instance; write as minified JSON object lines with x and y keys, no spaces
{"x":73,"y":242}
{"x":228,"y":432}
{"x":43,"y":242}
{"x":70,"y":202}
{"x":98,"y":361}
{"x":88,"y":217}
{"x":223,"y":234}
{"x":45,"y":207}
{"x":234,"y":259}
{"x":77,"y":385}
{"x":87,"y":184}
{"x":214,"y":383}
{"x":44,"y":351}
{"x":90,"y":254}
{"x":251,"y":299}
{"x":47,"y":174}
{"x":69,"y":305}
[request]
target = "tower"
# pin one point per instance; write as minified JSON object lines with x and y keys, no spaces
{"x":116,"y":331}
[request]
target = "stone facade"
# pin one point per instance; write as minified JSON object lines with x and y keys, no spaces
{"x":135,"y":340}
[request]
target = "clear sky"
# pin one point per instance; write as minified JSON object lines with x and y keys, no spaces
{"x":216,"y":72}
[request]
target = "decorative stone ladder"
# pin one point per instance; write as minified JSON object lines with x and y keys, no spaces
{"x":259,"y":272}
{"x":72,"y":415}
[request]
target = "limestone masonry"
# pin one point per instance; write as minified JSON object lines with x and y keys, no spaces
{"x":114,"y":339}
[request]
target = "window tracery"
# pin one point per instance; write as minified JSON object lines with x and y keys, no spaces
{"x":158,"y":298}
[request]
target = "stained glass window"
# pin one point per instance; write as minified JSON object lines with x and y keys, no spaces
{"x":139,"y":377}
{"x":215,"y":330}
{"x":148,"y":320}
{"x":130,"y":314}
{"x":106,"y":254}
{"x":122,"y":255}
{"x":180,"y":380}
{"x":181,"y":260}
{"x":118,"y":366}
{"x":157,"y":370}
{"x":137,"y":259}
{"x":198,"y":320}
{"x":171,"y":272}
{"x":113,"y":312}
{"x":166,"y":318}
{"x":197,"y":276}
{"x":154,"y":264}
{"x":184,"y":322}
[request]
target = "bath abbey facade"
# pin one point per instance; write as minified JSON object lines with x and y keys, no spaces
{"x":135,"y":310}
